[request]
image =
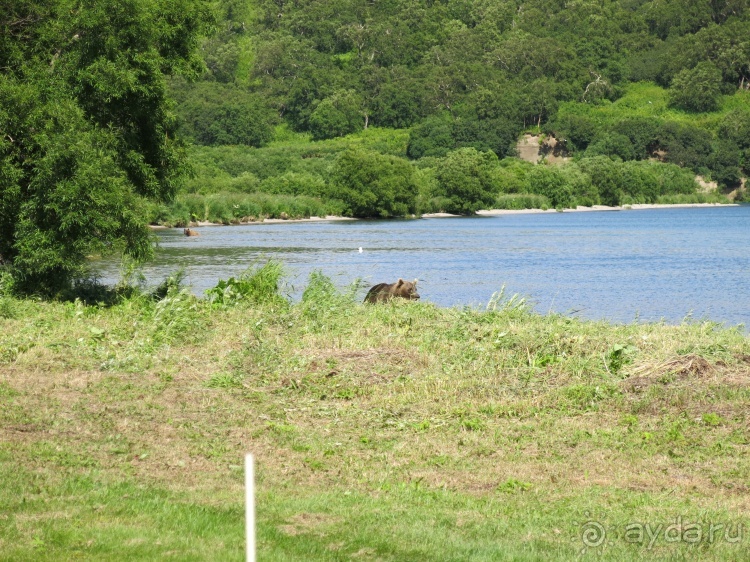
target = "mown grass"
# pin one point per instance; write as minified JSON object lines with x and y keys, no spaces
{"x":393,"y":432}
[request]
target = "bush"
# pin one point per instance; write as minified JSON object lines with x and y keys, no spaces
{"x":697,"y":89}
{"x":580,"y":186}
{"x":640,"y":183}
{"x":686,"y":145}
{"x":498,"y":135}
{"x":294,"y":183}
{"x":216,"y":114}
{"x":575,"y":131}
{"x":643,"y":133}
{"x":518,"y":201}
{"x":469,"y":179}
{"x":613,"y":145}
{"x":257,"y":285}
{"x":606,"y":177}
{"x":337,"y":115}
{"x":432,"y":137}
{"x":374,"y":185}
{"x":549,"y":182}
{"x":724,"y":163}
{"x":438,"y":135}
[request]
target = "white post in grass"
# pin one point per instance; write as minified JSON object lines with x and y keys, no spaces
{"x":250,"y":507}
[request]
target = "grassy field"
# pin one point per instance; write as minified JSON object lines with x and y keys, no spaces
{"x":388,"y":432}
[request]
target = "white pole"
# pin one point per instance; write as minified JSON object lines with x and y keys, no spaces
{"x":250,"y":507}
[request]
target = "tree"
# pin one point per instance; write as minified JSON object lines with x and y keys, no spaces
{"x":697,"y":89}
{"x":724,"y":163}
{"x":498,"y":135}
{"x":685,"y":145}
{"x":432,"y":137}
{"x":374,"y":185}
{"x":339,"y":114}
{"x":640,"y":183}
{"x":606,"y":177}
{"x":87,"y":131}
{"x":643,"y":133}
{"x":549,"y":181}
{"x":613,"y":145}
{"x":218,"y":114}
{"x":576,"y":131}
{"x":469,"y":179}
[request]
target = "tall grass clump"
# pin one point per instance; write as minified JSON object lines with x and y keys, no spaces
{"x":235,"y":208}
{"x":691,"y":198}
{"x":7,"y":303}
{"x":259,"y":284}
{"x":519,"y":201}
{"x":322,"y":303}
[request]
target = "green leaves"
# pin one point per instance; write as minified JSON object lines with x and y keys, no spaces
{"x":86,"y":129}
{"x":696,"y":89}
{"x":374,"y":185}
{"x":468,"y":178}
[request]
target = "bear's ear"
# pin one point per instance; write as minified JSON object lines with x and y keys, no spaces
{"x":400,"y":282}
{"x":415,"y":282}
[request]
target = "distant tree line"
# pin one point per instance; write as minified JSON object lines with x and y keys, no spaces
{"x":334,"y":67}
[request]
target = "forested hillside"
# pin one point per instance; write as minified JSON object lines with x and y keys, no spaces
{"x":471,"y":76}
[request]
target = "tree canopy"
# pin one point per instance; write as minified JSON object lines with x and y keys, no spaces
{"x":87,"y":132}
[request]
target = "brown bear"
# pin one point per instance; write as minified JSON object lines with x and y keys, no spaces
{"x":190,"y":232}
{"x":383,"y":291}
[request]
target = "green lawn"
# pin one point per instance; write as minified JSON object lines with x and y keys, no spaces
{"x":391,"y":432}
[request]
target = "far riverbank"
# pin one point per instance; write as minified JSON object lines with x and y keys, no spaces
{"x":484,"y":212}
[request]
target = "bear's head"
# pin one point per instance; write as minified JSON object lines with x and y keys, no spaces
{"x":406,"y":289}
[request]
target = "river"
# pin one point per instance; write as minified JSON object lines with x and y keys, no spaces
{"x":631,"y":265}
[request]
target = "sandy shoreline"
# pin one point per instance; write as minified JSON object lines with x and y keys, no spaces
{"x":490,"y":212}
{"x":635,"y":207}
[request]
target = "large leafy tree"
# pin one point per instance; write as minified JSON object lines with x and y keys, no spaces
{"x":469,"y":179}
{"x":86,"y":131}
{"x":374,"y":185}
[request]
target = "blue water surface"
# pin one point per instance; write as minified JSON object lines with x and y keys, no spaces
{"x":631,"y":265}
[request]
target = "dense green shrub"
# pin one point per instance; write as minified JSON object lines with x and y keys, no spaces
{"x":685,"y":145}
{"x":724,"y":163}
{"x":374,"y":185}
{"x":643,"y":133}
{"x":519,"y":201}
{"x":549,"y":182}
{"x":613,"y":145}
{"x":295,"y":183}
{"x":575,"y":131}
{"x":469,"y":179}
{"x":673,"y":179}
{"x":640,"y":183}
{"x":337,"y":115}
{"x":398,"y":103}
{"x":217,"y":114}
{"x":432,"y":137}
{"x":606,"y":177}
{"x":436,"y":136}
{"x":696,"y":89}
{"x":497,"y":135}
{"x":580,"y":185}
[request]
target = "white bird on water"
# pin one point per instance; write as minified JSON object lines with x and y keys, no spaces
{"x":360,"y":249}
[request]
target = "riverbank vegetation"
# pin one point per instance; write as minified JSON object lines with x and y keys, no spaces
{"x":390,"y":432}
{"x":246,"y":109}
{"x":451,"y":82}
